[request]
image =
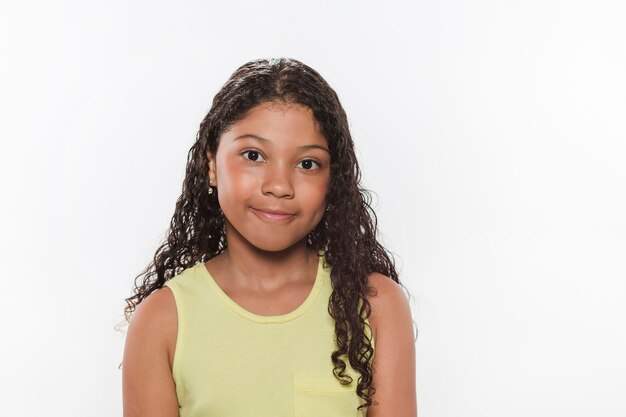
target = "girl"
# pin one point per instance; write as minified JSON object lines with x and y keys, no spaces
{"x":272,"y":293}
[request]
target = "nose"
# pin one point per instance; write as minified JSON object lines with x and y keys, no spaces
{"x":277,"y":182}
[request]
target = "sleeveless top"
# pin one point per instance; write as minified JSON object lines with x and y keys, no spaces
{"x":230,"y":362}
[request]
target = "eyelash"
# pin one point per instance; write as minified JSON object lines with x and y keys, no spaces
{"x":319,"y":165}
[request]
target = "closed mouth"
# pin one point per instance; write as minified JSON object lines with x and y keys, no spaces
{"x":273,"y":215}
{"x":278,"y":212}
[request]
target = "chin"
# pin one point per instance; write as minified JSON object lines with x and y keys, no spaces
{"x":272,"y":244}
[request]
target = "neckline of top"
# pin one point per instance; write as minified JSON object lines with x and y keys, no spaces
{"x":320,"y":276}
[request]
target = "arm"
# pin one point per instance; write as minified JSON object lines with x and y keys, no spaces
{"x":148,"y":387}
{"x":394,"y":358}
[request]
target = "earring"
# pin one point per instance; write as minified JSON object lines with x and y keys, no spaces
{"x":210,"y":188}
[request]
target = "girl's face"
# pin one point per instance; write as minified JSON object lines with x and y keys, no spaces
{"x":273,"y":159}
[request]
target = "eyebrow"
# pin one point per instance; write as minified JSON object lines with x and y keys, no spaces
{"x":259,"y":138}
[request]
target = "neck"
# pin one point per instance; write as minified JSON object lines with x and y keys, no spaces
{"x":261,"y":270}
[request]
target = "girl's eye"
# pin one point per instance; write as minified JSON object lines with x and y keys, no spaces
{"x":308,"y":163}
{"x":254,"y":154}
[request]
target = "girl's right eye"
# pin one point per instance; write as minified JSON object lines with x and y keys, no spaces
{"x":254,"y":154}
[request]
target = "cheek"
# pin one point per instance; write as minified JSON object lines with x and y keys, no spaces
{"x":315,"y":194}
{"x":234,"y":183}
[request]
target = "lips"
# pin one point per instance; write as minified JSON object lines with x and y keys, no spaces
{"x":273,"y":211}
{"x":274,"y":215}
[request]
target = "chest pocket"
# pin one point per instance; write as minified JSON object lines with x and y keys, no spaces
{"x":323,"y":396}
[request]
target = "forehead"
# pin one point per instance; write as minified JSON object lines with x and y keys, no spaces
{"x":278,"y":122}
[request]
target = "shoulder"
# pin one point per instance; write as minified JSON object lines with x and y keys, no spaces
{"x":156,"y":307}
{"x":394,"y":358}
{"x":382,"y":283}
{"x":147,"y":382}
{"x":155,"y":320}
{"x":385,"y":294}
{"x":389,"y":304}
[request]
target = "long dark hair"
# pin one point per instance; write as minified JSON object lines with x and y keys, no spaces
{"x":347,"y":233}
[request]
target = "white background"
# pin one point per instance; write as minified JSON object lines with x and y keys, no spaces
{"x":492,"y":133}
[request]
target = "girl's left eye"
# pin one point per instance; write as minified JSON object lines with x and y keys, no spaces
{"x":308,"y":161}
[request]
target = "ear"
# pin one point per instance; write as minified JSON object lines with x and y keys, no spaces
{"x":212,"y":171}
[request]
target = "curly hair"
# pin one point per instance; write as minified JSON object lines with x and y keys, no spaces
{"x":347,"y":233}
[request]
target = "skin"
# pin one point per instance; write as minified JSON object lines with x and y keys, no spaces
{"x":280,"y":173}
{"x":272,"y":262}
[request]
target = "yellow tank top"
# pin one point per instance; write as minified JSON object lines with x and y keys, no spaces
{"x":230,"y":362}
